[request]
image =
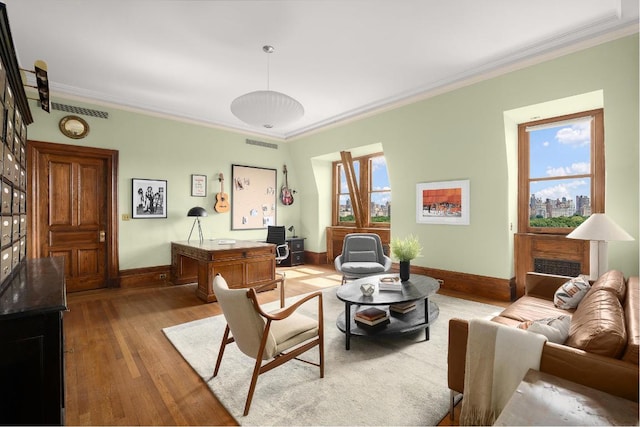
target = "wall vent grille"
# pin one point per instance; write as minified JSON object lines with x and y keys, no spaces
{"x":262,"y":144}
{"x":556,"y":266}
{"x":79,"y":110}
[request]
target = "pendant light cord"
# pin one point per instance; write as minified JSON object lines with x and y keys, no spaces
{"x":268,"y":50}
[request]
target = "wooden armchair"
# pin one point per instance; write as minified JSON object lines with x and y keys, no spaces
{"x":275,"y":337}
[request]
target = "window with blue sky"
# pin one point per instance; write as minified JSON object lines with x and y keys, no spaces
{"x":560,"y":171}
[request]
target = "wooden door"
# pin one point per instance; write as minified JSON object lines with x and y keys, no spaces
{"x":71,"y":215}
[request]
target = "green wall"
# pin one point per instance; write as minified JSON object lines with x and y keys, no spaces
{"x":157,"y":148}
{"x":462,"y":134}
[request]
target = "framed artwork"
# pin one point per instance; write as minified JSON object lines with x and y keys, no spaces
{"x":199,"y":185}
{"x":445,"y":202}
{"x":149,"y":198}
{"x":253,"y":197}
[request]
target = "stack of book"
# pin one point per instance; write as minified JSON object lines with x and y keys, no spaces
{"x":390,"y":284}
{"x":402,"y":308}
{"x":371,"y":317}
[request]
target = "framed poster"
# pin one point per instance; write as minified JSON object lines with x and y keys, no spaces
{"x":445,"y":202}
{"x":149,"y":198}
{"x":199,"y":185}
{"x":253,"y":197}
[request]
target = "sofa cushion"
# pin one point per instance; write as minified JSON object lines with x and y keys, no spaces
{"x":632,"y":314}
{"x":598,"y":325}
{"x":556,"y":329}
{"x":612,"y":281}
{"x":571,"y":292}
{"x":532,"y":308}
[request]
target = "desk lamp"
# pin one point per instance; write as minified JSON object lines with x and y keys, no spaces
{"x":197,"y":212}
{"x":600,"y":229}
{"x":292,"y":229}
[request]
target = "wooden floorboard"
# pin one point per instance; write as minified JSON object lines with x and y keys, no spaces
{"x":121,"y":370}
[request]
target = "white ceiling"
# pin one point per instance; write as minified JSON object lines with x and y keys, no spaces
{"x":190,"y":58}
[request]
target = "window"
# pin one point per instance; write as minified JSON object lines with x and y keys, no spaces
{"x":373,"y":183}
{"x":561,"y":172}
{"x":379,"y":191}
{"x":345,"y":205}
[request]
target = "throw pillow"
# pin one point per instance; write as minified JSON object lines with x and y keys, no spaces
{"x":556,"y":329}
{"x":571,"y":292}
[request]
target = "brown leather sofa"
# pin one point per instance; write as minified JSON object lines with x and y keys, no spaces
{"x":604,"y":338}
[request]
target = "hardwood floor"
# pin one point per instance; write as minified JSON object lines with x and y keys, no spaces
{"x":120,"y":368}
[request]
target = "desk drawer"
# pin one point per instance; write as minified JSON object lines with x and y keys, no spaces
{"x":297,"y":258}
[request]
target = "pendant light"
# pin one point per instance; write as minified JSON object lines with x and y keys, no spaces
{"x":267,"y":108}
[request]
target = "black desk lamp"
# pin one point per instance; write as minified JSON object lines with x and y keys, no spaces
{"x":293,"y":230}
{"x":197,"y":212}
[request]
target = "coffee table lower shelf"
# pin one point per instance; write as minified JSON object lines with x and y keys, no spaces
{"x":399,"y":323}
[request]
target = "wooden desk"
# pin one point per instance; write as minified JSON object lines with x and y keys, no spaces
{"x":243,"y":264}
{"x":544,"y":399}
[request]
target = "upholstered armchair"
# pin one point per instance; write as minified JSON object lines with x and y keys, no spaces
{"x":362,"y":256}
{"x":270,"y":338}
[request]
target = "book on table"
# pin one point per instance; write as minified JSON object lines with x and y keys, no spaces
{"x":390,"y":284}
{"x":403,"y":308}
{"x":371,"y":313}
{"x":376,"y":324}
{"x":371,"y":317}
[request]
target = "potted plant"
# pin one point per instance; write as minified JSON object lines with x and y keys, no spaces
{"x":404,"y":250}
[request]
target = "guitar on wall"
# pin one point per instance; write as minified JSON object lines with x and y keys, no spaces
{"x":286,"y":194}
{"x":222,"y":198}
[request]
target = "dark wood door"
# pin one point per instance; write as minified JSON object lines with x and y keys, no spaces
{"x":71,"y":216}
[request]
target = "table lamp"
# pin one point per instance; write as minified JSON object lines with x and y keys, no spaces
{"x":600,"y":229}
{"x":197,"y":212}
{"x":292,"y":229}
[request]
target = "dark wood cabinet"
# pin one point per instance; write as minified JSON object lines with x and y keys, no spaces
{"x":296,"y":252}
{"x":14,"y":118}
{"x":32,"y":344}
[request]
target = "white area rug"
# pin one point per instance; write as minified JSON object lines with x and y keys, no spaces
{"x":391,"y":381}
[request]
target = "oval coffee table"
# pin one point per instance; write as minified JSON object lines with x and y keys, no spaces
{"x":418,"y":288}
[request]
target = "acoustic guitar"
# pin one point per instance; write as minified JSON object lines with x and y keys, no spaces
{"x":222,"y":198}
{"x":286,"y":194}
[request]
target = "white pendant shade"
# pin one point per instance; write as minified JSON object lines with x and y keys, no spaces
{"x":267,"y":108}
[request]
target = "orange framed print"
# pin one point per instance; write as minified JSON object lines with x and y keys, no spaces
{"x":444,"y":202}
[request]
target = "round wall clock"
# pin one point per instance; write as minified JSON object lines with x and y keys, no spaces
{"x":74,"y":127}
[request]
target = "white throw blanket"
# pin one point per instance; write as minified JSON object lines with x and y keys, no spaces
{"x":498,"y":357}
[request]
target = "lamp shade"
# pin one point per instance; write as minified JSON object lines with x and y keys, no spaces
{"x":599,"y":227}
{"x":197,"y":211}
{"x":267,"y":108}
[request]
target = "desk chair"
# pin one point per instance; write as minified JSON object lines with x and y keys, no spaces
{"x":276,"y":235}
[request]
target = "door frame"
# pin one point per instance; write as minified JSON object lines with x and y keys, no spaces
{"x":34,"y":149}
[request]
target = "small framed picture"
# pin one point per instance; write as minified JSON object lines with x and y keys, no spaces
{"x":445,"y":202}
{"x":149,"y":198}
{"x":199,"y":185}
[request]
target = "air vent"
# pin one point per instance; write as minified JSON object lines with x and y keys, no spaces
{"x":556,"y":266}
{"x":79,"y":110}
{"x":262,"y":144}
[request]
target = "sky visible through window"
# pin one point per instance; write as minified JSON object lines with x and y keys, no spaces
{"x":561,"y":152}
{"x":380,"y":181}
